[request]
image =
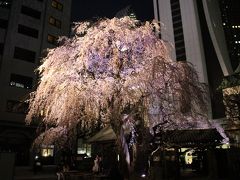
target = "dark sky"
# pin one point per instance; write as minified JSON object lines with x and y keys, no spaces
{"x":235,"y":11}
{"x":88,"y":9}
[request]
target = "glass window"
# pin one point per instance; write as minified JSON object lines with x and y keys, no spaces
{"x":84,"y":148}
{"x":17,"y":107}
{"x":52,"y":39}
{"x":27,"y":31}
{"x":55,"y":22}
{"x":58,"y":23}
{"x":181,"y":57}
{"x":57,"y":5}
{"x":47,"y":151}
{"x":180,"y":50}
{"x":60,"y":6}
{"x":52,"y":20}
{"x":21,"y":81}
{"x":54,"y":4}
{"x":24,"y":54}
{"x":3,"y":23}
{"x":179,"y":44}
{"x":178,"y":31}
{"x":178,"y":38}
{"x":31,"y":12}
{"x":1,"y":48}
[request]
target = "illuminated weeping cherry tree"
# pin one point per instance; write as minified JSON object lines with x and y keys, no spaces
{"x":115,"y":72}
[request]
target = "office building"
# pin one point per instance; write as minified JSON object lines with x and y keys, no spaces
{"x":195,"y":34}
{"x":203,"y":33}
{"x":231,"y":25}
{"x":27,"y":29}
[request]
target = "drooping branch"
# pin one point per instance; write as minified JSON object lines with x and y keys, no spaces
{"x":112,"y":68}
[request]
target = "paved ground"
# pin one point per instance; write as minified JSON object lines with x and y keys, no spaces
{"x":49,"y":173}
{"x":26,"y":173}
{"x":188,"y":174}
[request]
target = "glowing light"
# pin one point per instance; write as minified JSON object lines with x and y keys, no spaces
{"x":118,"y":157}
{"x":109,"y":69}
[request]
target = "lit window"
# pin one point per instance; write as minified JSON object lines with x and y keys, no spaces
{"x":54,"y":4}
{"x":239,"y":42}
{"x":52,"y":20}
{"x":57,"y":5}
{"x":224,"y":24}
{"x":55,"y":22}
{"x":52,"y":39}
{"x":84,"y":148}
{"x":236,"y":42}
{"x":47,"y":151}
{"x":20,"y":81}
{"x":233,"y":26}
{"x":238,"y":26}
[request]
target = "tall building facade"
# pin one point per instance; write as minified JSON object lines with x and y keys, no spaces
{"x":195,"y":34}
{"x":27,"y":29}
{"x":203,"y":33}
{"x":231,"y":25}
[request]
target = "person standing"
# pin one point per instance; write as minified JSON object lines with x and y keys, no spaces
{"x":95,"y":168}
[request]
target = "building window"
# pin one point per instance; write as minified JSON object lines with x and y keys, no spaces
{"x":57,"y":5}
{"x":178,"y":30}
{"x":31,"y":12}
{"x":24,"y":54}
{"x":5,"y":3}
{"x":1,"y":48}
{"x":27,"y":31}
{"x":52,"y":39}
{"x":55,"y":22}
{"x":3,"y":23}
{"x":14,"y":106}
{"x":47,"y":151}
{"x":84,"y":148}
{"x":20,"y":81}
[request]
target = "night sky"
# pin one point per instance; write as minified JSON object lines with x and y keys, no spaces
{"x":88,"y":9}
{"x":234,"y":9}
